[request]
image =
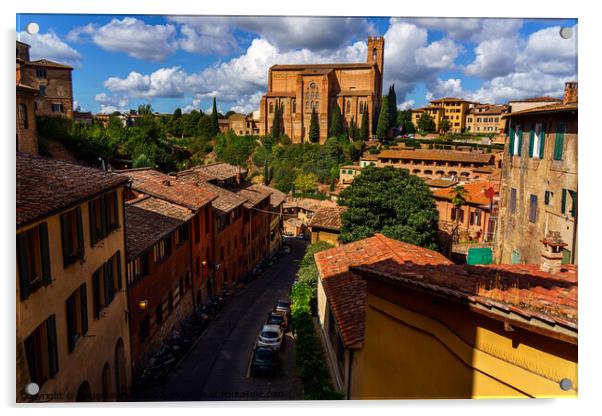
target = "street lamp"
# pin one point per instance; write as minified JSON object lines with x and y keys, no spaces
{"x":142,"y":305}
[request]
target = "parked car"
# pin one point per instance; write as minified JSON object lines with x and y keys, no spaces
{"x":264,"y":362}
{"x":284,"y":306}
{"x":277,"y":318}
{"x":271,"y":337}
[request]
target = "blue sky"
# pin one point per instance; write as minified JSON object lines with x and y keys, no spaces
{"x":184,"y":61}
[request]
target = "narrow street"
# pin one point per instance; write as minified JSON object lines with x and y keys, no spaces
{"x":217,"y":367}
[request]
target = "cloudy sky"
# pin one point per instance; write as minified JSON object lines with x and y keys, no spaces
{"x":184,"y":61}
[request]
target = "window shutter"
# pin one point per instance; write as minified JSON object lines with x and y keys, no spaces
{"x":31,"y":359}
{"x":53,"y":356}
{"x":80,"y":233}
{"x":22,"y":264}
{"x":96,"y":294}
{"x":83,"y":293}
{"x":65,"y":240}
{"x":92,"y":218}
{"x":104,"y":226}
{"x":559,"y":143}
{"x":116,"y":210}
{"x":520,"y":141}
{"x":573,"y":204}
{"x":563,"y":202}
{"x":531,"y":140}
{"x":118,"y":259}
{"x":71,"y":323}
{"x":45,"y":253}
{"x":542,"y":140}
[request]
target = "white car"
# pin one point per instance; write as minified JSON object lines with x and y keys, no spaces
{"x":283,"y":305}
{"x":271,"y":337}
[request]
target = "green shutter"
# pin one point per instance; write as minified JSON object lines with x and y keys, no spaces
{"x":83,"y":293}
{"x":92,"y":219}
{"x":70,"y":323}
{"x":573,"y":203}
{"x":45,"y":250}
{"x":559,"y":143}
{"x":520,"y":141}
{"x":531,"y":140}
{"x":511,"y":145}
{"x":22,"y":264}
{"x":542,"y":140}
{"x":53,"y":354}
{"x":65,"y":240}
{"x":563,"y":202}
{"x":80,"y":233}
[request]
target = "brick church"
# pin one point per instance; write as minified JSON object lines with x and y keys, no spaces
{"x":299,"y":88}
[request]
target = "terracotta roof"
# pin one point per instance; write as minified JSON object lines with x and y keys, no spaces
{"x":157,"y":184}
{"x":26,"y":88}
{"x":308,"y":204}
{"x":253,"y":195}
{"x":488,"y":109}
{"x":276,"y":197}
{"x":45,"y":186}
{"x":449,"y":99}
{"x":48,"y":64}
{"x":368,"y":156}
{"x":322,"y":66}
{"x":352,"y":167}
{"x":149,"y":220}
{"x":328,"y":218}
{"x":536,"y":100}
{"x":475,"y":192}
{"x":346,"y":292}
{"x":440,"y":155}
{"x":522,"y":289}
{"x":217,"y":171}
{"x":550,"y":108}
{"x":225,"y":200}
{"x":441,"y":183}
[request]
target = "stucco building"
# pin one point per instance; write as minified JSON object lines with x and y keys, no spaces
{"x":27,"y":135}
{"x":450,"y":108}
{"x":403,"y":322}
{"x":326,"y":225}
{"x":486,"y":118}
{"x":297,"y":89}
{"x":51,"y":80}
{"x":539,"y":180}
{"x":71,"y":294}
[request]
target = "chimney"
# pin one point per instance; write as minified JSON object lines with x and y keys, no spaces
{"x":551,"y":256}
{"x":570,"y":93}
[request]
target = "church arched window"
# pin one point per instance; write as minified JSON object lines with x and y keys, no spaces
{"x":271,"y":108}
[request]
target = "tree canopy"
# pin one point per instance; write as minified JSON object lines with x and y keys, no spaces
{"x":336,"y":121}
{"x":314,"y":127}
{"x":392,"y":202}
{"x":382,"y":128}
{"x":426,"y":122}
{"x":365,"y":126}
{"x":392,"y":101}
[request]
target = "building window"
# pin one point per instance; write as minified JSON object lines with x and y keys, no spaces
{"x":547,"y":197}
{"x":294,"y":105}
{"x":42,"y":352}
{"x":41,"y":72}
{"x":22,"y":118}
{"x":33,"y":259}
{"x":106,"y":282}
{"x":563,"y":204}
{"x":181,"y":235}
{"x":57,"y":107}
{"x":537,"y":141}
{"x":77,"y":316}
{"x":533,"y":208}
{"x":137,"y":268}
{"x":72,"y":236}
{"x":559,"y":142}
{"x":42,"y":91}
{"x":512,"y":200}
{"x":162,"y":249}
{"x":271,"y":110}
{"x":348,"y":107}
{"x":516,"y":140}
{"x":104,"y":216}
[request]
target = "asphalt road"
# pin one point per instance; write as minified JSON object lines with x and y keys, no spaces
{"x":217,"y":368}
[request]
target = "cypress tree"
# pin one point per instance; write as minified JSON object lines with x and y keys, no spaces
{"x":352,"y":129}
{"x":364,"y":129}
{"x":277,"y":123}
{"x":392,"y":106}
{"x":336,"y":122}
{"x":382,"y":128}
{"x":214,"y":120}
{"x":314,"y":127}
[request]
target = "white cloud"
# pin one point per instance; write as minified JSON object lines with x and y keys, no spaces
{"x":549,"y":52}
{"x":471,"y":29}
{"x":132,"y":36}
{"x":406,"y":105}
{"x":50,"y":46}
{"x":439,"y":54}
{"x":451,"y":87}
{"x":496,"y":57}
{"x":214,"y":34}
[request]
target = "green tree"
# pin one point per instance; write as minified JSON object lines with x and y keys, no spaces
{"x":234,"y":149}
{"x":277,"y":123}
{"x":392,"y":202}
{"x":458,"y":195}
{"x":214,"y":126}
{"x":314,"y":127}
{"x":426,"y":122}
{"x":143,"y":161}
{"x":336,"y":121}
{"x":382,"y":128}
{"x":306,"y":182}
{"x":365,"y":126}
{"x":353,"y":130}
{"x":445,"y":125}
{"x":392,"y":101}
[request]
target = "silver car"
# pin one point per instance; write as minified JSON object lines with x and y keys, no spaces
{"x":271,"y":337}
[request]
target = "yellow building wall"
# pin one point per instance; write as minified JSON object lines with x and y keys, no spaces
{"x":410,"y":355}
{"x":328,"y":237}
{"x":87,"y":360}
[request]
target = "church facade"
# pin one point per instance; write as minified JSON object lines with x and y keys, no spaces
{"x":298,"y":89}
